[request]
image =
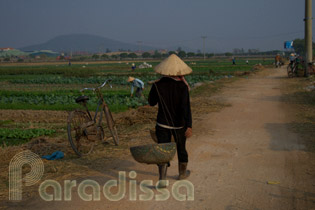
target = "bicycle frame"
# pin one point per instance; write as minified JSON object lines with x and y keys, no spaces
{"x":101,"y":102}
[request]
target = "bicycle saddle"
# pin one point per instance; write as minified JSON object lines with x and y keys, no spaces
{"x":81,"y":99}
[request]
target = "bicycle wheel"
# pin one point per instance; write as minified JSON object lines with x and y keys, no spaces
{"x":79,"y":125}
{"x":290,"y":71}
{"x":100,"y":133}
{"x":111,"y":125}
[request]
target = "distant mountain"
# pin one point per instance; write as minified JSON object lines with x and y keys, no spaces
{"x":83,"y":42}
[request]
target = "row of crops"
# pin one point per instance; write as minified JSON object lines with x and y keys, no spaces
{"x":64,"y":100}
{"x":118,"y":80}
{"x":10,"y":137}
{"x":44,"y":78}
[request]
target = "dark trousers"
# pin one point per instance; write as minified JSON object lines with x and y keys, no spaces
{"x":164,"y":135}
{"x":139,"y":92}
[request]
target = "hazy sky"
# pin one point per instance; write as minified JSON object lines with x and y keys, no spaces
{"x":228,"y":24}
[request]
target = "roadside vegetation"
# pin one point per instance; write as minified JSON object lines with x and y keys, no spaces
{"x":300,"y":92}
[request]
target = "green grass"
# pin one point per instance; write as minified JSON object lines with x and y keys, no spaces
{"x":118,"y":100}
{"x":11,"y":137}
{"x":59,"y":107}
{"x":5,"y":122}
{"x":44,"y":70}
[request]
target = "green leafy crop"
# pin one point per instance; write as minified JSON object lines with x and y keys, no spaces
{"x":11,"y":137}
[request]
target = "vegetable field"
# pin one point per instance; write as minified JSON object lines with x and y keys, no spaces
{"x":54,"y":87}
{"x":11,"y":137}
{"x":51,"y":87}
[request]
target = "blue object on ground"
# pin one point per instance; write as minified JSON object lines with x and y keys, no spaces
{"x":54,"y":156}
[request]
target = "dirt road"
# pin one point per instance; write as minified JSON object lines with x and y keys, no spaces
{"x":243,"y":157}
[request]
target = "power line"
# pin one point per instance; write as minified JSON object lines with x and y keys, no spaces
{"x":170,"y":42}
{"x":139,"y":45}
{"x":223,"y":37}
{"x":259,"y":37}
{"x":204,"y":41}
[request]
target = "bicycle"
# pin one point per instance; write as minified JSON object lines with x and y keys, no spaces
{"x":83,"y":129}
{"x":292,"y":69}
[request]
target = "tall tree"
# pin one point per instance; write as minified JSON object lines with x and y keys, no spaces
{"x":182,"y":54}
{"x":157,"y":54}
{"x":299,"y":46}
{"x":190,"y":54}
{"x":146,"y":55}
{"x":95,"y":56}
{"x":171,"y":52}
{"x":123,"y":55}
{"x":132,"y":55}
{"x":105,"y":56}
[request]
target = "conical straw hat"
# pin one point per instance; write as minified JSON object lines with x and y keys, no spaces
{"x":173,"y":66}
{"x":130,"y":79}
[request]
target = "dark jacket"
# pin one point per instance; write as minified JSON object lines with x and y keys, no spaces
{"x":175,"y":95}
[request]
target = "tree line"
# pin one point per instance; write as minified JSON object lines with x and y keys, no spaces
{"x":145,"y":55}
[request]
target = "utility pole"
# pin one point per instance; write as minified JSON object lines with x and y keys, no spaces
{"x":139,"y":46}
{"x":204,"y":41}
{"x":308,"y":35}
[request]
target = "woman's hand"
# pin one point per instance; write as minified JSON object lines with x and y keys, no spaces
{"x":188,"y":132}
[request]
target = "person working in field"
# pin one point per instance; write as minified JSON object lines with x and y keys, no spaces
{"x":233,"y":61}
{"x":136,"y":83}
{"x":133,"y":67}
{"x":277,"y":60}
{"x":171,"y":93}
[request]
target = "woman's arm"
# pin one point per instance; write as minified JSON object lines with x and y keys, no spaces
{"x":153,"y":96}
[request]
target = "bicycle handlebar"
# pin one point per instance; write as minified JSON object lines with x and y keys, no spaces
{"x":93,"y":89}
